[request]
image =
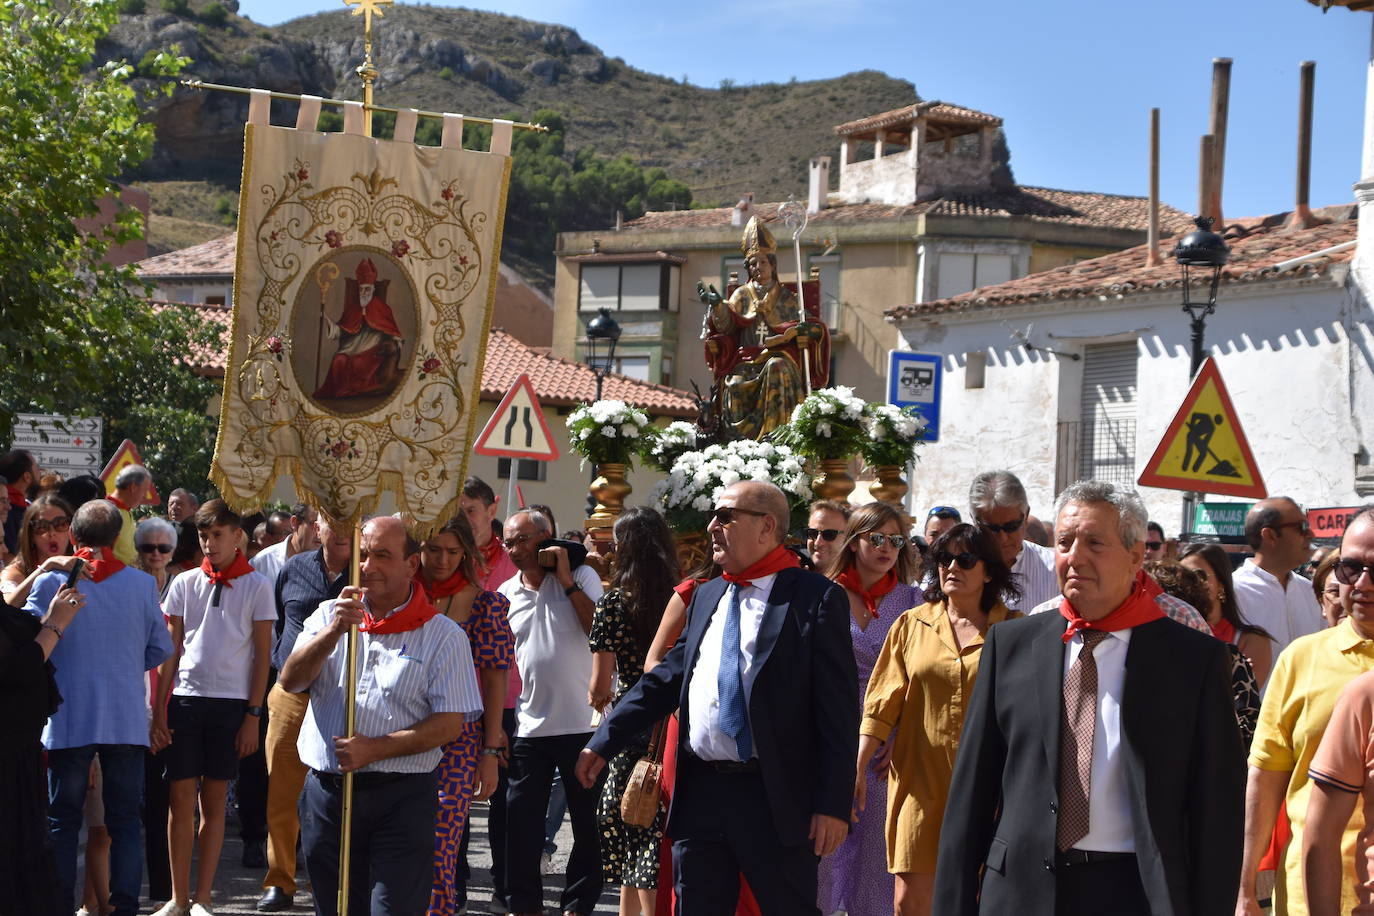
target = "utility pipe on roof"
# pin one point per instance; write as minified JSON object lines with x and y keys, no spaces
{"x":1313,"y":255}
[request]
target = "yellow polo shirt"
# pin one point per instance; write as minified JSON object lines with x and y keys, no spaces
{"x":124,"y":548}
{"x":1298,"y":701}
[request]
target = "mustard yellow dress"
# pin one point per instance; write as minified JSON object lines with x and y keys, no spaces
{"x":920,"y":687}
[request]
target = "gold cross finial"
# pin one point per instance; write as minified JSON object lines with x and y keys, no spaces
{"x":367,"y":9}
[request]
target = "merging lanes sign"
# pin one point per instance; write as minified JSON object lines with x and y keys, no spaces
{"x":1204,"y":449}
{"x":517,"y":429}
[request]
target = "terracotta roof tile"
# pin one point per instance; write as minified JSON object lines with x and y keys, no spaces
{"x":214,"y":258}
{"x":932,"y":110}
{"x":1078,"y":208}
{"x":1257,"y":246}
{"x":207,"y":360}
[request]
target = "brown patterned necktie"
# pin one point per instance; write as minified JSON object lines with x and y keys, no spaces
{"x":1076,"y":724}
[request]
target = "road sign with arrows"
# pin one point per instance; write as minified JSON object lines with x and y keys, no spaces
{"x":518,"y":429}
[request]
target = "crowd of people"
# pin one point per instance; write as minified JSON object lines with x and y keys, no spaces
{"x":976,"y":713}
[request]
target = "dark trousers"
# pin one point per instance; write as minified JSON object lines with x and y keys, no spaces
{"x":121,"y":768}
{"x":392,"y":855}
{"x":1110,"y":888}
{"x":723,"y":827}
{"x":532,"y":766}
{"x":155,"y":808}
{"x":251,"y":788}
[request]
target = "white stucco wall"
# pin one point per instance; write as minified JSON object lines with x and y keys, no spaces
{"x":1284,"y":351}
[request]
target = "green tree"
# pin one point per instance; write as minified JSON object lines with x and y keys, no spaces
{"x":80,"y":338}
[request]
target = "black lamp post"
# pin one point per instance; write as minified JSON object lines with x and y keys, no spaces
{"x":603,"y":333}
{"x":1201,"y":251}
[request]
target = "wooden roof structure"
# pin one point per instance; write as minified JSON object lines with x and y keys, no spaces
{"x":943,"y":122}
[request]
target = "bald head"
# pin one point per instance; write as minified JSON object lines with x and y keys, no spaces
{"x":392,"y":530}
{"x":762,"y":496}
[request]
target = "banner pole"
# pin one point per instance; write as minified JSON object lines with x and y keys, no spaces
{"x":350,"y":724}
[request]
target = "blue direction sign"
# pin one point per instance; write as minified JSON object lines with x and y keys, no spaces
{"x":913,"y":380}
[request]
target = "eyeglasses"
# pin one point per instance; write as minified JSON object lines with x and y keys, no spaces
{"x":1301,"y":526}
{"x":154,"y":548}
{"x":966,"y":560}
{"x":898,"y":541}
{"x":1154,"y":545}
{"x":725,"y":515}
{"x":1348,"y":571}
{"x":1007,"y":527}
{"x":43,"y":526}
{"x":943,"y":512}
{"x":825,"y":534}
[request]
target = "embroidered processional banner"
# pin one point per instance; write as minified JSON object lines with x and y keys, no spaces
{"x":362,"y":302}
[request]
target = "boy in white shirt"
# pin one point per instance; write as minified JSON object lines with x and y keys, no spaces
{"x":221,"y":619}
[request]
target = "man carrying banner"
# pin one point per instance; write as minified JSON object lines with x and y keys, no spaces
{"x":417,"y":690}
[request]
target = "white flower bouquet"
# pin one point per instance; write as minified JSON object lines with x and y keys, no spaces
{"x":828,"y":424}
{"x":673,"y":441}
{"x":891,"y":435}
{"x":609,"y":432}
{"x":697,"y":479}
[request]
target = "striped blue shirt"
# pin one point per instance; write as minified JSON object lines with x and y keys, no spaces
{"x":403,"y":678}
{"x":1033,"y":572}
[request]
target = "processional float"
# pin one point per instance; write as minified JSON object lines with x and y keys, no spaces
{"x":363,"y":290}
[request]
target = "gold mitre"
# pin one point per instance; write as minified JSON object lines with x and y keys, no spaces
{"x":757,"y":239}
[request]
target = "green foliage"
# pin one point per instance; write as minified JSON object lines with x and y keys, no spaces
{"x":214,"y":13}
{"x":179,"y":7}
{"x":83,"y":340}
{"x":445,"y":73}
{"x":132,"y":7}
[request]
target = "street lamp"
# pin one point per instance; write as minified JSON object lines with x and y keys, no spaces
{"x":603,"y":333}
{"x":1201,"y":250}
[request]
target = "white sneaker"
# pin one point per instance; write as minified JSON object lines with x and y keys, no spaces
{"x":170,"y":908}
{"x":200,"y":909}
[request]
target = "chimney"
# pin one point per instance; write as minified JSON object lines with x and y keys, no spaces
{"x":742,"y":210}
{"x":819,"y":188}
{"x":619,"y":220}
{"x":1221,"y":104}
{"x":1206,"y":153}
{"x":1302,"y":217}
{"x":1152,"y":258}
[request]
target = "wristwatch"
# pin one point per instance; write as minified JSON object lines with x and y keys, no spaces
{"x":575,"y":587}
{"x":254,"y":711}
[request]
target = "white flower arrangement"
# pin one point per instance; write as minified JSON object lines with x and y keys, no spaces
{"x":609,"y":432}
{"x":698,"y":478}
{"x":672,"y":442}
{"x":892,"y":434}
{"x":828,"y":424}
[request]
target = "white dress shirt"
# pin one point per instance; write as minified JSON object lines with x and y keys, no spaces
{"x":270,"y":560}
{"x":706,"y":739}
{"x":1286,"y":613}
{"x":1109,"y":805}
{"x":1033,"y":572}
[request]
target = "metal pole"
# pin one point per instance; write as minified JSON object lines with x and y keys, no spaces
{"x":591,"y":500}
{"x":350,"y":723}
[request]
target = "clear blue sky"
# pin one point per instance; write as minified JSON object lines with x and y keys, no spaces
{"x":1074,"y":80}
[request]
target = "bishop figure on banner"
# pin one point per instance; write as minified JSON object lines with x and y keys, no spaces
{"x":369,"y":355}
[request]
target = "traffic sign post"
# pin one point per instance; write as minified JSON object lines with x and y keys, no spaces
{"x":1204,"y":449}
{"x":517,"y":430}
{"x":68,"y":445}
{"x":914,"y":380}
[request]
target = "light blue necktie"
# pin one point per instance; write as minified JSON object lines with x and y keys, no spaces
{"x":734,"y":717}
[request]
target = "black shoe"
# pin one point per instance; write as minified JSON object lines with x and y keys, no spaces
{"x":274,"y":900}
{"x":254,"y":855}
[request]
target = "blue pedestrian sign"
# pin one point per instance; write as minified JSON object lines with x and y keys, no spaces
{"x":913,"y":380}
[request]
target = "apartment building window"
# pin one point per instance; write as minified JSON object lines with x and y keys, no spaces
{"x":632,"y":366}
{"x":828,"y":267}
{"x":525,"y":469}
{"x":628,"y":287}
{"x":1107,"y":434}
{"x":960,"y":272}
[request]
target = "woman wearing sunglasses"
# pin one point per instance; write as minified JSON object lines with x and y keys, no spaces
{"x":917,"y":697}
{"x":155,"y":539}
{"x":1223,"y":613}
{"x":44,"y":545}
{"x":875,"y":562}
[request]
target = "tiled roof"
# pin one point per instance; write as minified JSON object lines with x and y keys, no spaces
{"x":564,"y":383}
{"x":628,"y":257}
{"x":206,"y":360}
{"x":1258,"y":247}
{"x":933,"y":111}
{"x":1078,"y":208}
{"x":558,"y":382}
{"x":214,"y":258}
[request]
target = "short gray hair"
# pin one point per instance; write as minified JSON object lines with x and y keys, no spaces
{"x":997,"y":490}
{"x":537,"y":518}
{"x":131,"y":476}
{"x":154,"y":526}
{"x":1133,"y":517}
{"x":97,"y":524}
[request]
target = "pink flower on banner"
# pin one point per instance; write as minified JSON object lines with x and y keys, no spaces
{"x":399,"y":248}
{"x":333,"y":239}
{"x":339,"y":449}
{"x":274,"y":346}
{"x":430,"y":365}
{"x":446,"y":193}
{"x":302,"y":174}
{"x":463,"y":259}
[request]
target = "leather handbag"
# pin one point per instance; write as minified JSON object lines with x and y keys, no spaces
{"x":639,"y":804}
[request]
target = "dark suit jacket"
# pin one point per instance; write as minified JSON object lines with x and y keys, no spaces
{"x":803,"y":708}
{"x":1184,"y":764}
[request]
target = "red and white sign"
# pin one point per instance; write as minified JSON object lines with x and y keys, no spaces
{"x":125,"y":455}
{"x":518,"y":429}
{"x":1331,"y":522}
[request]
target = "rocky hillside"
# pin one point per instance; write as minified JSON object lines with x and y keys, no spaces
{"x":720,"y":141}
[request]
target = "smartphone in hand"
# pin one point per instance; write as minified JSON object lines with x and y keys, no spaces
{"x":74,"y":576}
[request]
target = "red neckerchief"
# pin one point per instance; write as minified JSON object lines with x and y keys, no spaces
{"x":686,"y":587}
{"x":101,"y":561}
{"x":1137,"y":609}
{"x":17,"y":498}
{"x":491,"y":554}
{"x":778,"y":559}
{"x":415,"y":614}
{"x":119,"y":503}
{"x":450,"y":586}
{"x":871,"y":596}
{"x":239,"y":567}
{"x":1224,"y":630}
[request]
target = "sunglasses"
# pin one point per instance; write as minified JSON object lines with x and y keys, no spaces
{"x":898,"y":541}
{"x":1348,"y":571}
{"x":154,"y":548}
{"x":1008,"y":527}
{"x":1301,"y":526}
{"x":43,"y":526}
{"x":825,"y":534}
{"x":966,"y":560}
{"x":943,"y":512}
{"x":1154,"y":545}
{"x":725,"y":515}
